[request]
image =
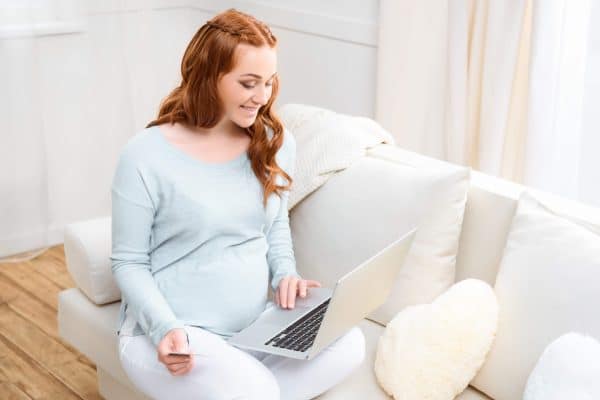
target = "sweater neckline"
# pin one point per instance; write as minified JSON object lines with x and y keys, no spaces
{"x":235,"y":162}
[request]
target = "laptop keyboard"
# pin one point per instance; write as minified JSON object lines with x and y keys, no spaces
{"x":301,"y":334}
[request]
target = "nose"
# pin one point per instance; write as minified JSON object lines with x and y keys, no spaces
{"x":261,"y":97}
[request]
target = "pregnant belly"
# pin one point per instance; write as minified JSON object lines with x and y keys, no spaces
{"x":225,"y":295}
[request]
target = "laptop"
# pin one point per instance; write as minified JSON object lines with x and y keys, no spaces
{"x":324,"y":314}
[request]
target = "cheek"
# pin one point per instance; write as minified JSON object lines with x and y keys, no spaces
{"x":234,"y":95}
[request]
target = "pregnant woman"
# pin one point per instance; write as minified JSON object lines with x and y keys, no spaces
{"x":200,"y":229}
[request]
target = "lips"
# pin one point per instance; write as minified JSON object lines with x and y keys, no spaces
{"x":250,"y":109}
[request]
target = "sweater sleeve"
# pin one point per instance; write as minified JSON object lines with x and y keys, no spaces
{"x":280,"y":255}
{"x":132,"y":219}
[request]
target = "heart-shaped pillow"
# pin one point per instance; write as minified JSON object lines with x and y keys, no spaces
{"x":432,"y":351}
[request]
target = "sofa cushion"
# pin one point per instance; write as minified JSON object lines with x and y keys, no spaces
{"x":491,"y":204}
{"x":87,"y":250}
{"x":547,"y":285}
{"x":366,"y":206}
{"x":89,"y":328}
{"x":432,"y":351}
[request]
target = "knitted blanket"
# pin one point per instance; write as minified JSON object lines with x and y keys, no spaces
{"x":326,"y":142}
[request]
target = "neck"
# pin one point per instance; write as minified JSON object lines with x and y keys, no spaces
{"x":224,"y":128}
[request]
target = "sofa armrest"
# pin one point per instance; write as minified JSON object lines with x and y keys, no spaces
{"x":87,"y":252}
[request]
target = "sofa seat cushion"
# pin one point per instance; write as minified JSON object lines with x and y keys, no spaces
{"x":471,"y":393}
{"x":90,"y":329}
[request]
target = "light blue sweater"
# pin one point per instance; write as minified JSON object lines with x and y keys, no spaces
{"x":191,"y":241}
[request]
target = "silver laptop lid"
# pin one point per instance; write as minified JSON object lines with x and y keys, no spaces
{"x":362,"y":290}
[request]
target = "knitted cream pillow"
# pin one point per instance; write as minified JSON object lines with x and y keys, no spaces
{"x":432,"y":351}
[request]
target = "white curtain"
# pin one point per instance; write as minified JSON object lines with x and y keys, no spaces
{"x":563,"y":140}
{"x":506,"y":87}
{"x":77,"y":80}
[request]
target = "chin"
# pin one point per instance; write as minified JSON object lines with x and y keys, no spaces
{"x":245,"y":123}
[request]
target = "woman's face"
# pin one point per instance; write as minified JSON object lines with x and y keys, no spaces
{"x":248,"y":86}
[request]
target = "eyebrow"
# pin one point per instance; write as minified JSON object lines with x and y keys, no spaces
{"x":258,"y":76}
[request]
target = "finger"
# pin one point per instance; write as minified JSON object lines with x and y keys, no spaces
{"x":163,"y":354}
{"x":277,"y":297}
{"x":283,"y":288}
{"x":180,"y":346}
{"x":182,"y":371}
{"x":177,"y":368}
{"x":175,"y":360}
{"x":302,"y":288}
{"x":168,"y":346}
{"x":182,"y":362}
{"x":311,"y":283}
{"x":185,"y":370}
{"x":291,"y":293}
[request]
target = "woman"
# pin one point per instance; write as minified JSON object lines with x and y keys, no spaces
{"x":201,"y":227}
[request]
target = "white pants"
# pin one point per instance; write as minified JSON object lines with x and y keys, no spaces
{"x":225,"y":372}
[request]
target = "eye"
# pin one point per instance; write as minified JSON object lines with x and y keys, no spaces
{"x":251,"y":87}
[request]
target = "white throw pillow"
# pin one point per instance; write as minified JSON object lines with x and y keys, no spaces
{"x":547,"y":285}
{"x":432,"y":351}
{"x":365,"y":207}
{"x":569,"y":368}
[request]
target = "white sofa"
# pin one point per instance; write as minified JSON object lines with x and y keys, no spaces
{"x":88,"y":324}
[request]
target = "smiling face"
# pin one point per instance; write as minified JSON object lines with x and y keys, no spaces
{"x":249,"y":85}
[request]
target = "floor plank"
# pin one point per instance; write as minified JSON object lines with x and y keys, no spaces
{"x":51,"y":264}
{"x":49,"y":353}
{"x":24,"y":379}
{"x":35,"y":363}
{"x":28,"y":306}
{"x":36,"y":312}
{"x":10,"y":391}
{"x":25,"y":275}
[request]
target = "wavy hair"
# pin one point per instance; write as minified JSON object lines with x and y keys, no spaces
{"x":195,"y":101}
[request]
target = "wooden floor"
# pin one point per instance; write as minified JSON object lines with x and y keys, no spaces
{"x":34,"y":362}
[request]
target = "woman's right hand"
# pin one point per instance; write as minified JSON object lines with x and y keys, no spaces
{"x":175,"y":341}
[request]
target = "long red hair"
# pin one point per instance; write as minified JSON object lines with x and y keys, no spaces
{"x":195,"y":102}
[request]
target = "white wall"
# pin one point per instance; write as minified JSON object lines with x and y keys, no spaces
{"x":79,"y":78}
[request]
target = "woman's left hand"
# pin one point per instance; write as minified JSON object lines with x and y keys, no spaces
{"x":291,"y":286}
